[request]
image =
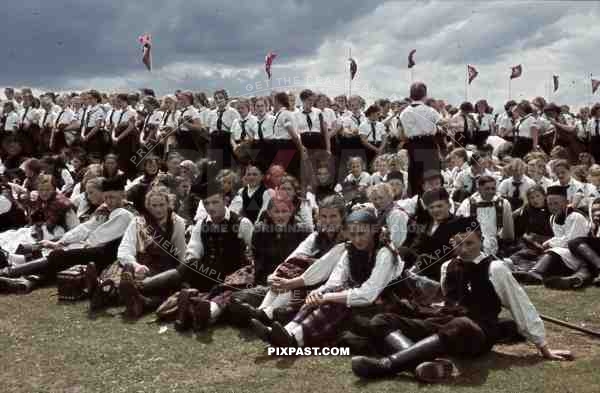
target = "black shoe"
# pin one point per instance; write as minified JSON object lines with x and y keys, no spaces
{"x":263,"y":332}
{"x":19,"y":285}
{"x":564,"y":283}
{"x":528,"y":278}
{"x":596,"y":281}
{"x":131,"y":296}
{"x":183,"y":319}
{"x":200,"y":314}
{"x":367,"y":367}
{"x":280,"y":337}
{"x":3,"y":258}
{"x":436,"y":371}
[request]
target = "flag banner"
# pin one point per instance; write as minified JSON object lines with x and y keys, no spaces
{"x":353,"y":68}
{"x":516,"y":71}
{"x":595,"y":85}
{"x":146,"y":41}
{"x":472,"y":73}
{"x":411,"y":58}
{"x":555,"y":80}
{"x":268,"y":62}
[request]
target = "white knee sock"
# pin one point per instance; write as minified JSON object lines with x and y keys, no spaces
{"x":295,"y":329}
{"x":279,"y":300}
{"x":215,"y":312}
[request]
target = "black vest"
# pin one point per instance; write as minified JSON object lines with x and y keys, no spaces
{"x":251,"y":205}
{"x":224,"y":251}
{"x":468,"y":284}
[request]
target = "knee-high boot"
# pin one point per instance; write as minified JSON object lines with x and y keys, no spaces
{"x":536,"y":275}
{"x":141,"y":296}
{"x":32,"y":267}
{"x":424,"y":350}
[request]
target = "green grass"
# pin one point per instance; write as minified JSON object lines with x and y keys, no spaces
{"x":50,"y":347}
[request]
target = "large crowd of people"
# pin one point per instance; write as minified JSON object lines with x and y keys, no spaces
{"x":399,"y":229}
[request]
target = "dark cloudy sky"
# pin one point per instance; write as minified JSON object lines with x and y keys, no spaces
{"x":205,"y":44}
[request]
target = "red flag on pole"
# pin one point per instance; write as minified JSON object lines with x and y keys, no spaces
{"x":595,"y":85}
{"x":146,"y":41}
{"x":268,"y":62}
{"x":516,"y":71}
{"x":555,"y":80}
{"x":472,"y":73}
{"x":411,"y":59}
{"x":353,"y":68}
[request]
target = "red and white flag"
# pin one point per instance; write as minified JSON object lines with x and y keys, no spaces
{"x":353,"y":68}
{"x":146,"y":41}
{"x":595,"y":85}
{"x":516,"y":71}
{"x":472,"y":73}
{"x":268,"y":62}
{"x":411,"y":58}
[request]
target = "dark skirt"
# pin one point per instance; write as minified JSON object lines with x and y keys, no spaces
{"x":423,"y":156}
{"x":480,"y":138}
{"x":283,"y":152}
{"x":97,"y":144}
{"x":219,"y":148}
{"x":126,"y":149}
{"x":522,"y":146}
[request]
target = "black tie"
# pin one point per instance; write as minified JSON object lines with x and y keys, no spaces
{"x":57,"y":121}
{"x":243,"y":135}
{"x":220,"y":121}
{"x":260,"y":132}
{"x":308,"y":120}
{"x":373,"y":131}
{"x":166,"y":118}
{"x":146,"y":120}
{"x":357,"y":119}
{"x":24,"y":115}
{"x":44,"y":119}
{"x":597,"y":127}
{"x":466,"y":127}
{"x":120,"y":117}
{"x":516,"y":194}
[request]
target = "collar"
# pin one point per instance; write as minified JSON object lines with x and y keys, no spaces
{"x":227,"y":216}
{"x":480,"y":258}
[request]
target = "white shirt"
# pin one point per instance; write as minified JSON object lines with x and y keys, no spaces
{"x":195,"y":248}
{"x":352,"y":122}
{"x":12,"y":121}
{"x":513,"y":297}
{"x":94,"y":116}
{"x":396,"y":223}
{"x":47,"y":118}
{"x":124,"y":116}
{"x":485,"y":121}
{"x":419,"y":119}
{"x":282,"y":121}
{"x":265,"y":124}
{"x":97,"y":231}
{"x":229,"y":115}
{"x":364,"y":179}
{"x":127,"y":252}
{"x":302,"y":121}
{"x":486,"y":217}
{"x":575,"y":225}
{"x":524,"y":126}
{"x":387,"y":267}
{"x":189,"y":112}
{"x":169,"y":119}
{"x":590,"y":127}
{"x":250,"y":124}
{"x":507,"y":188}
{"x":328,"y":117}
{"x":64,"y":117}
{"x":366,"y":129}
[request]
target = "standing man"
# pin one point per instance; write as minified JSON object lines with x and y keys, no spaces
{"x":420,"y":123}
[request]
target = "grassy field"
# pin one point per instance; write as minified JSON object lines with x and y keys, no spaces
{"x":50,"y":347}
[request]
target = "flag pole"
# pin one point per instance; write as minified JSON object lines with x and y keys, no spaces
{"x":467,"y":83}
{"x":348,"y":74}
{"x":509,"y":92}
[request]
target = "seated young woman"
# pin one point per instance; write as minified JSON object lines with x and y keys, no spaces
{"x":359,"y":278}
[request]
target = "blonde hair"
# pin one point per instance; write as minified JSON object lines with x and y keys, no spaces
{"x":382,"y":189}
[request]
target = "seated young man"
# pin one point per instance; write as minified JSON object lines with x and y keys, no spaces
{"x":96,"y":240}
{"x":475,"y":288}
{"x":558,"y":268}
{"x":217,"y":248}
{"x":587,"y":248}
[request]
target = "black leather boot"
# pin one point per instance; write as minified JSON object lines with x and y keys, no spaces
{"x":33,"y":267}
{"x":396,"y":342}
{"x":591,"y":257}
{"x":424,"y":350}
{"x":575,"y":281}
{"x":536,"y":275}
{"x":169,"y":279}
